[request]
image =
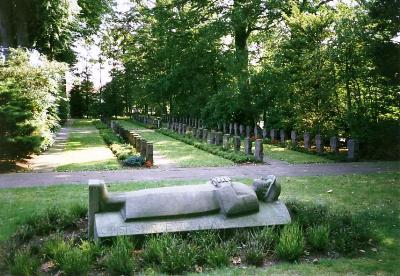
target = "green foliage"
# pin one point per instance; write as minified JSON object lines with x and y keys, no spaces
{"x":318,"y":237}
{"x":177,"y":256}
{"x":328,"y":69}
{"x":217,"y":257}
{"x":30,"y":98}
{"x":347,"y":232}
{"x":53,"y":219}
{"x":74,"y":262}
{"x":291,"y":243}
{"x":55,"y":247}
{"x":237,"y":157}
{"x":24,"y":264}
{"x":254,"y":253}
{"x":134,"y":161}
{"x":170,"y":253}
{"x":120,"y":260}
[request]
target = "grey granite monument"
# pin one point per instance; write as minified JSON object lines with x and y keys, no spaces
{"x":219,"y":204}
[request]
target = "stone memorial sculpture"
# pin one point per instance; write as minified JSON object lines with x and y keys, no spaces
{"x":218,"y":204}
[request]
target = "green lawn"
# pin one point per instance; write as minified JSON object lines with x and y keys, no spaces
{"x":182,"y":154}
{"x":85,"y":149}
{"x":376,"y":193}
{"x":291,"y":156}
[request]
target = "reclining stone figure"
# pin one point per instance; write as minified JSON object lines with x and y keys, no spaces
{"x":219,"y":196}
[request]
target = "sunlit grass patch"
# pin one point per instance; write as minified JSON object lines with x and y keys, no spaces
{"x":291,"y":156}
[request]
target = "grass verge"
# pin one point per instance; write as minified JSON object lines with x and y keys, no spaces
{"x":292,"y":156}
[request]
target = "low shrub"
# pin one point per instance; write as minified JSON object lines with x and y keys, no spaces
{"x":235,"y":156}
{"x":24,"y":233}
{"x":178,"y":256}
{"x":55,"y":247}
{"x":74,"y":262}
{"x":170,"y":253}
{"x":92,"y":250}
{"x":78,"y":211}
{"x":24,"y":263}
{"x":349,"y":232}
{"x":291,"y":243}
{"x":308,"y":214}
{"x":52,"y":219}
{"x":205,"y":241}
{"x":120,"y":260}
{"x":134,"y":161}
{"x":217,"y":257}
{"x":152,"y":251}
{"x":318,"y":237}
{"x":254,"y":253}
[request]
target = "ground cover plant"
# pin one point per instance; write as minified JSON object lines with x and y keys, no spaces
{"x":362,"y":236}
{"x":235,"y":156}
{"x":177,"y":152}
{"x":85,"y":142}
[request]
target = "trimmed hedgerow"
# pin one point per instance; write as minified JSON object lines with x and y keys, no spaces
{"x":235,"y":156}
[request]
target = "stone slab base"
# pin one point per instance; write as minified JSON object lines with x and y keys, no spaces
{"x":112,"y":224}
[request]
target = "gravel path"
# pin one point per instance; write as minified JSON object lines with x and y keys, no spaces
{"x":245,"y":171}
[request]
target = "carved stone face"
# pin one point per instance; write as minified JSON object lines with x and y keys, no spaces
{"x":267,"y":188}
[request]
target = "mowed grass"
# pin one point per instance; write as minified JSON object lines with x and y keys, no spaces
{"x":86,"y":145}
{"x":179,"y":153}
{"x":376,"y":194}
{"x":291,"y":156}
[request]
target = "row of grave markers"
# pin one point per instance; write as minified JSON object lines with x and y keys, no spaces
{"x":141,"y":145}
{"x":218,"y":138}
{"x":235,"y":129}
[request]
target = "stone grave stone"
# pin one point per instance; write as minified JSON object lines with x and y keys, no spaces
{"x":149,"y":153}
{"x":283,"y":137}
{"x":259,"y":150}
{"x":319,"y":144}
{"x":248,"y":132}
{"x":264,"y":133}
{"x":218,"y":204}
{"x":236,"y":143}
{"x":226,"y":141}
{"x":293,"y":137}
{"x":247,"y":146}
{"x":218,"y":138}
{"x":205,"y":132}
{"x":353,"y":149}
{"x":273,"y":135}
{"x":306,"y":140}
{"x":334,"y":144}
{"x":199,"y":133}
{"x":143,"y":147}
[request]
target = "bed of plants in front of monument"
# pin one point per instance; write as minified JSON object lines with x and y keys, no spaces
{"x":57,"y":241}
{"x":124,"y":152}
{"x":235,"y":156}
